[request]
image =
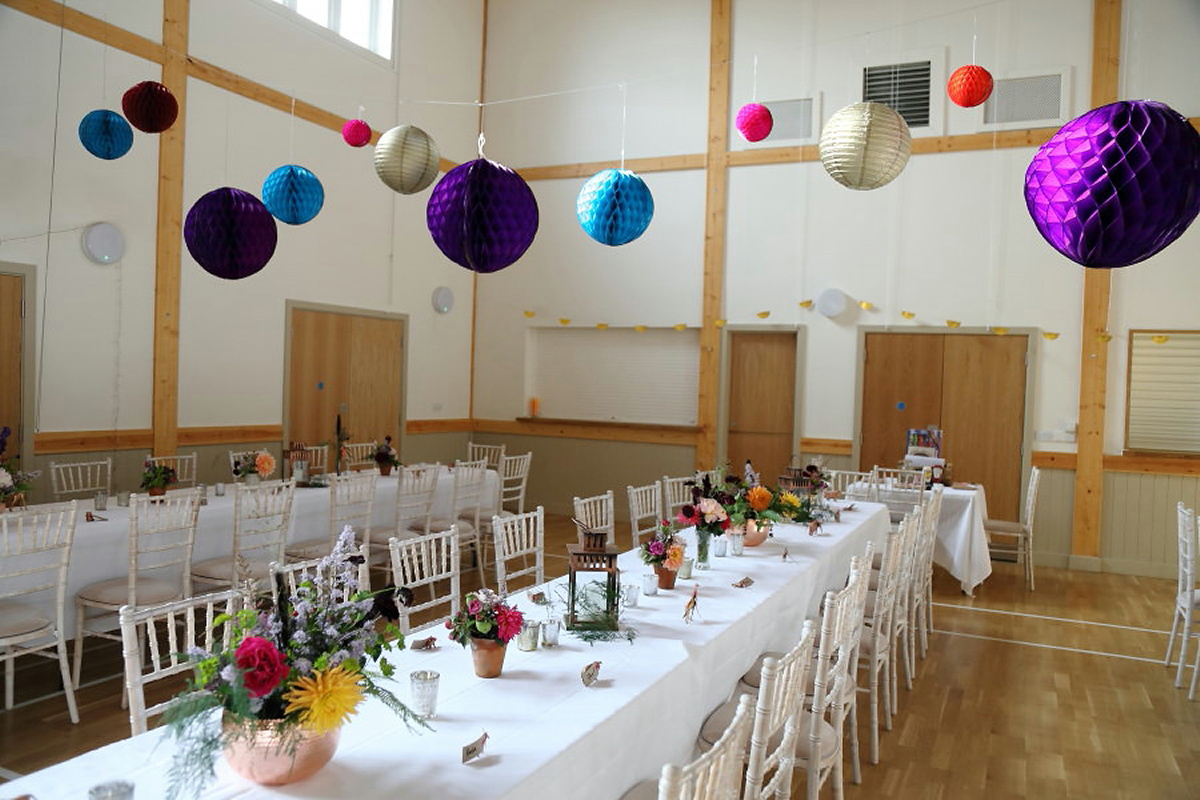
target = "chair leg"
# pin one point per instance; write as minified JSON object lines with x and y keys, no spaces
{"x":886,"y":667}
{"x":1183,"y":647}
{"x":1029,"y":563}
{"x":80,"y":633}
{"x":874,"y":700}
{"x":68,"y":688}
{"x":1171,"y":639}
{"x":1195,"y":672}
{"x":9,"y":676}
{"x":855,"y":761}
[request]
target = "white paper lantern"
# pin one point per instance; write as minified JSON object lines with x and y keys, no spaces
{"x":865,"y":145}
{"x":406,"y":159}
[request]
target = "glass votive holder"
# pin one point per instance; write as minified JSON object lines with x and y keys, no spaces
{"x":424,"y":692}
{"x":685,"y":569}
{"x":630,"y":592}
{"x":527,"y":639}
{"x":649,"y":584}
{"x":101,"y":500}
{"x":219,"y":490}
{"x":123,"y":499}
{"x":112,"y":790}
{"x":203,"y":493}
{"x":737,"y":543}
{"x":550,"y":630}
{"x":720,"y":545}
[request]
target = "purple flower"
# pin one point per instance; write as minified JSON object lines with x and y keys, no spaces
{"x":657,"y":548}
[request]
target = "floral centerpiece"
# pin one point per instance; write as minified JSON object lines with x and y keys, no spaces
{"x":813,"y":479}
{"x":286,"y":673}
{"x":707,"y":512}
{"x":258,"y":465}
{"x":386,"y":456}
{"x":157,"y":477}
{"x":14,"y":482}
{"x":488,"y":623}
{"x":664,"y":553}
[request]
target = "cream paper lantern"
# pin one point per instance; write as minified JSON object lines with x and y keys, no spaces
{"x":865,"y":145}
{"x":406,"y":159}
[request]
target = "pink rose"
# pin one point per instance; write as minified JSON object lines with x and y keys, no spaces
{"x":474,"y":607}
{"x":657,"y":548}
{"x":262,"y":665}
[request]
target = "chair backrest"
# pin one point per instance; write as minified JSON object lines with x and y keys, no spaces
{"x":596,"y":513}
{"x":493,"y":454}
{"x":414,"y":498}
{"x":239,"y":457}
{"x":261,"y":516}
{"x":853,"y":485}
{"x":523,"y":537}
{"x":467,"y":497}
{"x":715,"y":476}
{"x":927,"y":535}
{"x":317,"y":456}
{"x":897,"y":561}
{"x":1035,"y":478}
{"x":35,"y":551}
{"x":432,"y":561}
{"x":321,"y":572}
{"x":1187,"y":551}
{"x":780,"y":702}
{"x":645,"y":510}
{"x":351,"y":502}
{"x":162,"y":532}
{"x":514,"y":476}
{"x":677,"y":492}
{"x":358,"y":455}
{"x":717,"y":773}
{"x":899,"y":489}
{"x":80,"y":477}
{"x":170,"y":631}
{"x":184,"y":466}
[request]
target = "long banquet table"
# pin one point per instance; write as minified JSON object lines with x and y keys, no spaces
{"x":100,"y":550}
{"x":547,"y":733}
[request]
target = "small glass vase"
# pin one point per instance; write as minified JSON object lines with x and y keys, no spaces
{"x":702,"y":541}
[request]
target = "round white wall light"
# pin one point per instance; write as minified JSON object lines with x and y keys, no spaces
{"x":103,"y":243}
{"x":443,"y":299}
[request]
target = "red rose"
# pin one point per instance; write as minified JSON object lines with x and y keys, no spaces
{"x":262,"y":665}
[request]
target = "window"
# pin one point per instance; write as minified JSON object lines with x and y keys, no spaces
{"x":367,"y":23}
{"x":903,"y":87}
{"x":1163,"y":403}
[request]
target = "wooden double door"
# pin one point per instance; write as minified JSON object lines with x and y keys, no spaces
{"x":347,"y":365}
{"x":972,"y":386}
{"x":761,"y":401}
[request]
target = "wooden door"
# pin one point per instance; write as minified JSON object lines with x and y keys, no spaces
{"x":12,"y":288}
{"x":344,"y":364}
{"x":762,"y":401}
{"x":902,"y":389}
{"x":983,"y":415}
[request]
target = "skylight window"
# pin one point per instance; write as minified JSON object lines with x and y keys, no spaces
{"x":366,"y":23}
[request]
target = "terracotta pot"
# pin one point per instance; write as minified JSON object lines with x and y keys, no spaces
{"x":666,"y":577}
{"x":265,"y":757}
{"x":156,"y":491}
{"x":385,"y":469}
{"x":756,"y":533}
{"x":488,"y":655}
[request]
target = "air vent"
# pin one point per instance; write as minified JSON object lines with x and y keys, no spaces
{"x":1038,"y":97}
{"x":904,"y":87}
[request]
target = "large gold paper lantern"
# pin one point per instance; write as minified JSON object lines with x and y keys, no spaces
{"x":865,"y":145}
{"x":406,"y":159}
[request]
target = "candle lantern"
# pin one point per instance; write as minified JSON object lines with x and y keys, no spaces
{"x":592,"y":554}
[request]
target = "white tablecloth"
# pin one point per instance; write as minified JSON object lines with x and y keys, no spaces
{"x":101,"y":548}
{"x":549,"y":736}
{"x":961,"y":545}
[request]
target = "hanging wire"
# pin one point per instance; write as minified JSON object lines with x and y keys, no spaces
{"x":754,"y":82}
{"x":292,"y":133}
{"x":624,"y":111}
{"x":974,"y":37}
{"x":482,"y":141}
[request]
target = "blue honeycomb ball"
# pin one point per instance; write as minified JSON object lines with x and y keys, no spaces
{"x":293,"y":194}
{"x":614,"y":207}
{"x":105,"y":134}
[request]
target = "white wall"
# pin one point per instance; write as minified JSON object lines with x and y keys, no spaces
{"x":949,"y":239}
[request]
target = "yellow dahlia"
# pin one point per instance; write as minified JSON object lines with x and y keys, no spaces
{"x":326,"y":699}
{"x":758,"y":497}
{"x":789,"y":499}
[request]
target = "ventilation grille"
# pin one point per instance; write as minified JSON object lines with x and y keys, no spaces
{"x":793,"y":119}
{"x":903,"y":87}
{"x":1024,"y":100}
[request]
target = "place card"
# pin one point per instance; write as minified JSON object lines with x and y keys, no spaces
{"x":90,"y":517}
{"x":813,"y":527}
{"x":539,"y":598}
{"x":424,"y":644}
{"x":589,"y":673}
{"x":744,"y":583}
{"x":690,"y":608}
{"x":474,"y":749}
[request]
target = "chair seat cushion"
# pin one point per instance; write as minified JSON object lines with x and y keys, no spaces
{"x":829,"y":743}
{"x":753,"y":676}
{"x":18,"y":619}
{"x":718,"y":722}
{"x":114,"y":592}
{"x":309,"y":549}
{"x":1004,"y":527}
{"x":465,"y":527}
{"x":220,"y":570}
{"x":646,"y":790}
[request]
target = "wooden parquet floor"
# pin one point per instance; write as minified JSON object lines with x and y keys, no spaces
{"x":1056,"y":693}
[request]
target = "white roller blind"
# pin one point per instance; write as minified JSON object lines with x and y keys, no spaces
{"x":616,"y":374}
{"x":1164,"y":391}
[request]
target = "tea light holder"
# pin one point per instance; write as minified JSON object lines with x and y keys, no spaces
{"x":527,"y":639}
{"x":101,"y":500}
{"x":219,"y":490}
{"x":649,"y":584}
{"x":550,"y":631}
{"x":720,"y":546}
{"x":123,"y":499}
{"x":685,"y":568}
{"x":737,"y":543}
{"x":630,"y":592}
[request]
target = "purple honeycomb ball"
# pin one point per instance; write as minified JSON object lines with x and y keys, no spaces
{"x":482,"y":215}
{"x":1117,"y":184}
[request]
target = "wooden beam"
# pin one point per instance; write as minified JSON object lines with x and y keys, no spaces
{"x":715,"y":199}
{"x":1097,"y":285}
{"x":679,"y":435}
{"x":640,"y":165}
{"x":169,"y":235}
{"x":437,"y":425}
{"x":90,"y":27}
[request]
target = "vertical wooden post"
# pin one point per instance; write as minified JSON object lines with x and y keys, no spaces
{"x":716,"y":184}
{"x":1097,"y":283}
{"x":169,"y":234}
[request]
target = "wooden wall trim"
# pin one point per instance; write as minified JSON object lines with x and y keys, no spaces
{"x":437,"y":426}
{"x":1144,"y":464}
{"x":55,"y":442}
{"x":229,"y":434}
{"x":827,"y":447}
{"x":614,"y":432}
{"x":587,"y":169}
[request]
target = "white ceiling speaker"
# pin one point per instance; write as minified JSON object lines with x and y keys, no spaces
{"x":103,"y":243}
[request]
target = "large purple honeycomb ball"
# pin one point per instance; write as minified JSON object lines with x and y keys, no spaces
{"x":482,"y":215}
{"x":230,"y":233}
{"x":1117,"y":184}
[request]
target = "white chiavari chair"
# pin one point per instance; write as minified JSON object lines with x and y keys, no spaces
{"x":317,"y":457}
{"x":170,"y":630}
{"x":677,"y":492}
{"x":80,"y":477}
{"x":850,"y":484}
{"x":162,"y":532}
{"x":492,"y":454}
{"x":35,"y":552}
{"x":351,"y":571}
{"x":596,"y":513}
{"x":358,"y":455}
{"x":520,"y":537}
{"x":899,"y":490}
{"x":645,"y":510}
{"x":261,"y":515}
{"x":1020,"y":533}
{"x":184,"y":466}
{"x":514,"y":476}
{"x":1187,"y":594}
{"x":351,"y":502}
{"x":466,"y":501}
{"x":433,"y":560}
{"x":923,"y":569}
